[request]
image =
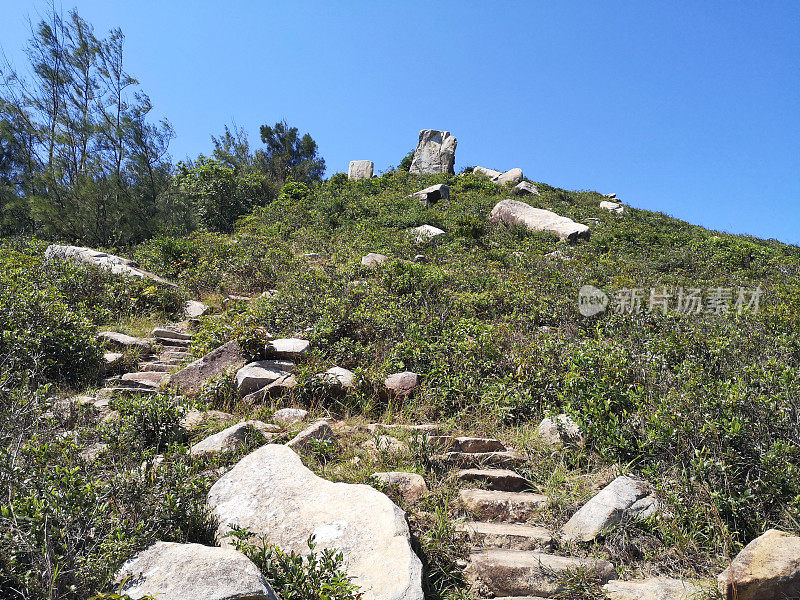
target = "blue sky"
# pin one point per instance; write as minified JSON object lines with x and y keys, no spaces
{"x":689,"y":108}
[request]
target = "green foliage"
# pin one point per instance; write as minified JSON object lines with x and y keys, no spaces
{"x":287,"y":155}
{"x":317,"y":576}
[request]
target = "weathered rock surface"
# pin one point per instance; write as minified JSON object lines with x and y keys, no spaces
{"x":516,"y":213}
{"x":431,"y":195}
{"x":526,"y":188}
{"x":272,"y":493}
{"x":510,"y":536}
{"x":656,"y":588}
{"x":490,"y":173}
{"x":561,"y":428}
{"x":152,"y":379}
{"x":112,"y":362}
{"x":189,"y":380}
{"x":339,"y":378}
{"x":520,"y":573}
{"x":511,"y":176}
{"x":615,"y":207}
{"x":320,"y":430}
{"x":272,"y":390}
{"x":422,"y":428}
{"x":123,"y":342}
{"x":401,"y":384}
{"x":195,"y":418}
{"x":116,"y":264}
{"x":287,"y":416}
{"x":768,"y":567}
{"x":386,"y":443}
{"x":360,"y":169}
{"x":232,"y":437}
{"x":163,"y":333}
{"x":194,"y":309}
{"x":435,"y":153}
{"x":372,"y":260}
{"x":607,"y":508}
{"x":427,"y":235}
{"x":497,"y":479}
{"x":472,"y":460}
{"x":288,"y":348}
{"x":489,"y":505}
{"x":171,"y":571}
{"x":476,"y":444}
{"x":256,"y":375}
{"x":411,"y":486}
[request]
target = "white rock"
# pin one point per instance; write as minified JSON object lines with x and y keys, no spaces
{"x":256,"y":375}
{"x":360,"y":169}
{"x":230,"y":438}
{"x":372,"y":260}
{"x":339,"y":378}
{"x":109,"y":262}
{"x":427,"y":235}
{"x":512,"y":176}
{"x":551,"y":430}
{"x":615,"y":207}
{"x":270,"y":492}
{"x":287,"y":416}
{"x":490,"y":173}
{"x":656,"y":588}
{"x":411,"y":486}
{"x":386,"y":443}
{"x":290,"y":348}
{"x":767,"y":568}
{"x":171,"y":571}
{"x":431,"y":195}
{"x":524,"y":188}
{"x":123,"y":342}
{"x":607,"y":508}
{"x":318,"y":431}
{"x":514,"y":212}
{"x":401,"y":384}
{"x":435,"y":153}
{"x":194,"y":309}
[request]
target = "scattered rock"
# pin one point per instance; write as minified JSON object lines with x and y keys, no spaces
{"x":520,"y":573}
{"x":385,"y":443}
{"x":656,"y":588}
{"x":190,"y":379}
{"x":420,"y":258}
{"x":510,"y":536}
{"x":431,"y":195}
{"x":230,"y":438}
{"x":172,"y":571}
{"x":411,"y":486}
{"x":256,"y":375}
{"x":372,"y":260}
{"x":272,"y":390}
{"x":272,"y":493}
{"x":427,"y":235}
{"x":490,"y":505}
{"x":287,"y":416}
{"x":112,"y":362}
{"x":360,"y":169}
{"x":435,"y":153}
{"x":513,"y":212}
{"x":768,"y":567}
{"x":110,"y":262}
{"x":512,"y":176}
{"x":525,"y":188}
{"x":124,"y":342}
{"x":615,"y":207}
{"x":316,"y":431}
{"x":401,"y":384}
{"x":555,"y":430}
{"x":288,"y":348}
{"x":490,"y":173}
{"x":194,"y":309}
{"x":607,"y":508}
{"x":195,"y":418}
{"x":339,"y":378}
{"x":93,"y":451}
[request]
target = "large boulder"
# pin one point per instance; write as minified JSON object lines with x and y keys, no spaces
{"x":513,"y":212}
{"x":605,"y":509}
{"x":401,"y":384}
{"x":615,"y":207}
{"x":190,"y":379}
{"x":172,"y":571}
{"x":288,"y":348}
{"x":526,"y":188}
{"x":259,"y":374}
{"x":271,"y":493}
{"x":490,"y":173}
{"x":768,"y":567}
{"x":427,"y":235}
{"x":232,"y":437}
{"x":511,"y":176}
{"x":109,"y":262}
{"x":360,"y":169}
{"x":435,"y":153}
{"x":431,"y":195}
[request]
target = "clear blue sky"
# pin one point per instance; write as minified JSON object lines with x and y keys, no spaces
{"x":689,"y":108}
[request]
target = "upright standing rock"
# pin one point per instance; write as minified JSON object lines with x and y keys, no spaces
{"x":435,"y":153}
{"x":271,"y":492}
{"x":360,"y":169}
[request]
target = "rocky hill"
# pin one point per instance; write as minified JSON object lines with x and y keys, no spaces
{"x":427,"y":384}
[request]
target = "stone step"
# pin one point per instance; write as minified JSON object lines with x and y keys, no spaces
{"x":428,"y":428}
{"x":149,"y":378}
{"x":173,"y":343}
{"x":522,"y":573}
{"x":505,"y":535}
{"x":490,"y":505}
{"x":158,"y":366}
{"x":496,"y":479}
{"x":474,"y":460}
{"x":112,"y":390}
{"x":162,"y":334}
{"x":121,"y":341}
{"x":474,"y":445}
